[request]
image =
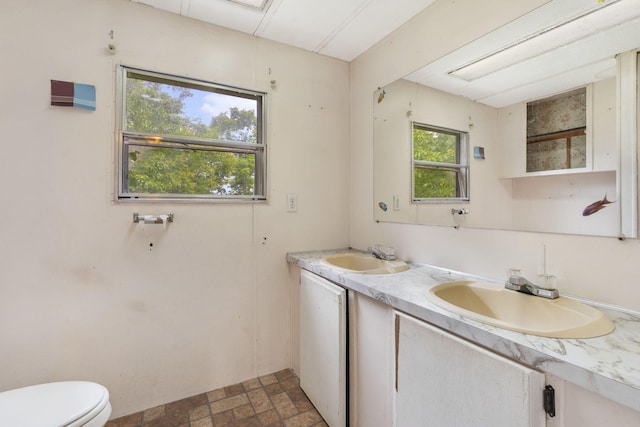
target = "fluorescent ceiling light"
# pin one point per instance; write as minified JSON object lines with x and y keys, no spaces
{"x":256,"y":4}
{"x":605,"y":16}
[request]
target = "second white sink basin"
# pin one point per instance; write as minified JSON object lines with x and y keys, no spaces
{"x":363,"y":263}
{"x":491,"y":303}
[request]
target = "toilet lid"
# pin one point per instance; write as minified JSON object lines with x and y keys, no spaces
{"x":53,"y":404}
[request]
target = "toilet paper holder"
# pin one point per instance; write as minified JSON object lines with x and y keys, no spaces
{"x":152,"y":219}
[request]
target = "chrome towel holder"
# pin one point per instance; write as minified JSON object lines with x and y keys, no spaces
{"x":152,"y":219}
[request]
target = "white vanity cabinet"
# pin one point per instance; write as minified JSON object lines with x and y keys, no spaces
{"x":405,"y":372}
{"x":323,"y":346}
{"x":444,"y":381}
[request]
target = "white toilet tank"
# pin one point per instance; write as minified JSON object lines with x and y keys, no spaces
{"x":68,"y":403}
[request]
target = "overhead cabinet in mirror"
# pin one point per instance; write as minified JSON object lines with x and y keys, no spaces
{"x":556,"y":132}
{"x":568,"y":133}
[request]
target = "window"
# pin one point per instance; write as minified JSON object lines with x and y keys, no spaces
{"x":440,"y":164}
{"x":181,"y":138}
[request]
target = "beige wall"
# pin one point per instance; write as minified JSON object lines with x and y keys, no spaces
{"x":83,"y":295}
{"x":598,"y":268}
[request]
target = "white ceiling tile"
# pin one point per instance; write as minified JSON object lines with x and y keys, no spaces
{"x":307,"y":23}
{"x":174,"y":6}
{"x":372,"y":24}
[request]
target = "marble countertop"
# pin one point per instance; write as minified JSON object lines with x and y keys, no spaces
{"x":608,"y":365}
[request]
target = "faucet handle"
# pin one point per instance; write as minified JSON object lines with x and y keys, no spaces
{"x":387,"y":250}
{"x":514,"y":272}
{"x":382,"y":252}
{"x":547,"y":281}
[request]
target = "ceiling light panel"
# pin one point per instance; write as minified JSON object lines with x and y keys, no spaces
{"x":604,"y":17}
{"x":588,"y":59}
{"x":518,"y":29}
{"x":227,"y":14}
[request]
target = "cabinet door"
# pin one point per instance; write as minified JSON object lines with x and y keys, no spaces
{"x":444,"y":381}
{"x":371,"y":374}
{"x":323,"y":346}
{"x":578,"y":407}
{"x":512,"y":128}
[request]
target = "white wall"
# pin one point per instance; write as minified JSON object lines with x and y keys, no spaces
{"x":598,"y":268}
{"x":83,"y":295}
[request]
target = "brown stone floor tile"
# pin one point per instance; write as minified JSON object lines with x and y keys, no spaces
{"x":199,"y":412}
{"x":223,"y":419}
{"x":244,"y":411}
{"x":184,"y":405}
{"x":204,"y":422}
{"x":133,"y":420}
{"x":268,"y":379}
{"x":300,"y":399}
{"x":153,"y":413}
{"x":215,"y":395}
{"x":306,"y":419}
{"x":252,"y":384}
{"x":165,"y":422}
{"x":229,"y":403}
{"x":285,"y":374}
{"x":269,"y":417}
{"x":232,"y":390}
{"x":173,"y":414}
{"x":259,"y":400}
{"x":275,"y":388}
{"x":284,"y":405}
{"x":290,"y":383}
{"x":248,"y":422}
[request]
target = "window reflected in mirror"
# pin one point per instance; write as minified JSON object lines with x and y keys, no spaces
{"x":556,"y":132}
{"x":440,"y":164}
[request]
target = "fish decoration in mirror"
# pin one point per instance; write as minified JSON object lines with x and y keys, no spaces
{"x":596,"y":206}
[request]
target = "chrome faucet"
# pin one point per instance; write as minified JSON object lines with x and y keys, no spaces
{"x":520,"y":284}
{"x":380,"y":254}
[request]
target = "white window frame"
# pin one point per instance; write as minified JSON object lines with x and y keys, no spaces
{"x":125,"y":137}
{"x":461,"y":166}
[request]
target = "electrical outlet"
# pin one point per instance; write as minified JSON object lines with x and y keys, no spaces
{"x":292,"y":202}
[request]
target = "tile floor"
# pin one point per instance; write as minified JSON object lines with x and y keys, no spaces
{"x":274,"y":400}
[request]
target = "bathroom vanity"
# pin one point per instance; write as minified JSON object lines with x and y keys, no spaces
{"x":393,"y":326}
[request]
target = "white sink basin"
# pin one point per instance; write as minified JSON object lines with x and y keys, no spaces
{"x":491,"y":303}
{"x":363,"y":263}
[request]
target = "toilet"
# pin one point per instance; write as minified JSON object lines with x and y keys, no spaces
{"x":59,"y":404}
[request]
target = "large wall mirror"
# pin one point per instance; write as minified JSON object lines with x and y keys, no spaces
{"x":548,"y":107}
